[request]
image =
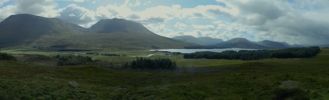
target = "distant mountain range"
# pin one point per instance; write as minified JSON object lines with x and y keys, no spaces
{"x":245,"y":43}
{"x":39,"y":32}
{"x":198,"y":40}
{"x":324,"y":45}
{"x":233,"y":43}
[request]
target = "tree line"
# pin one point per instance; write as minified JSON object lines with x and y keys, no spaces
{"x":5,"y":56}
{"x":305,"y":52}
{"x":144,"y":63}
{"x":63,"y":60}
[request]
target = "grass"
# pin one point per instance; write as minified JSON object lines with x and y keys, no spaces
{"x":203,"y":79}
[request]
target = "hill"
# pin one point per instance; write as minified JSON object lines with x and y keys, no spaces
{"x":239,"y":43}
{"x":245,"y":43}
{"x":274,"y":44}
{"x":24,"y":29}
{"x":129,"y":34}
{"x":52,"y":33}
{"x":198,"y":40}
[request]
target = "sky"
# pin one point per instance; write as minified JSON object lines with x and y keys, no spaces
{"x":291,"y":21}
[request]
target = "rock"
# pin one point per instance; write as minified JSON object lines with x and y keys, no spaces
{"x":74,"y":84}
{"x":289,"y":84}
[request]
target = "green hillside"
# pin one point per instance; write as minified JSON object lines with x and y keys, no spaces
{"x":23,"y":29}
{"x":197,"y":79}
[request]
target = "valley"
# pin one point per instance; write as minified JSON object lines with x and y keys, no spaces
{"x":193,"y":79}
{"x":51,"y":59}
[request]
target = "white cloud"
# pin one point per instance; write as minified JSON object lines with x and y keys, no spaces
{"x":78,"y":1}
{"x":2,"y":2}
{"x":7,"y":11}
{"x":78,"y":15}
{"x":46,"y":8}
{"x":294,"y":21}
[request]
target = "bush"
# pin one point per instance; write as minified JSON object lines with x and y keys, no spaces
{"x":73,"y":60}
{"x":290,"y":90}
{"x":35,"y":57}
{"x":5,"y":56}
{"x":291,"y":94}
{"x":143,"y":63}
{"x":258,"y":54}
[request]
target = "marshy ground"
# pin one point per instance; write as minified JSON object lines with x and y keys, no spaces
{"x":195,"y":79}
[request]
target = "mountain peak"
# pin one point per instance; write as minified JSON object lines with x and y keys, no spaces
{"x":118,"y":25}
{"x":22,"y":15}
{"x":20,"y":18}
{"x":236,"y":40}
{"x":274,"y":44}
{"x":239,"y":43}
{"x":26,"y":28}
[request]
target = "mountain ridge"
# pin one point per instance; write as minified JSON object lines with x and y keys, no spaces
{"x":198,"y":40}
{"x":24,"y":28}
{"x":41,"y":32}
{"x":244,"y":43}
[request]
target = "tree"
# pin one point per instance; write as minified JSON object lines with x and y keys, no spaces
{"x":144,"y":63}
{"x":5,"y":56}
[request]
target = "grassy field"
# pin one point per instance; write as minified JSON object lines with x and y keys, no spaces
{"x":197,"y":79}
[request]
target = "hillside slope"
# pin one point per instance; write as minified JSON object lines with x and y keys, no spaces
{"x":35,"y":31}
{"x":129,"y":34}
{"x":24,"y":29}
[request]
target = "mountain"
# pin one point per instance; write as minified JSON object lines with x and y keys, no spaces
{"x":324,"y":45}
{"x":273,"y":44}
{"x":25,"y":28}
{"x":118,"y":25}
{"x":198,"y":40}
{"x":125,"y":33}
{"x":40,"y":32}
{"x":245,"y":43}
{"x":239,"y":43}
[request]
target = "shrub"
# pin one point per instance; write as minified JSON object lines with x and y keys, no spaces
{"x":144,"y":63}
{"x":290,"y":90}
{"x":5,"y":56}
{"x":291,"y":94}
{"x":109,"y":54}
{"x":73,"y":60}
{"x":35,"y":58}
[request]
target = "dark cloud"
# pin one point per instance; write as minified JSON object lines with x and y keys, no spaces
{"x":299,"y":29}
{"x":263,"y":8}
{"x":37,"y":7}
{"x":134,"y":16}
{"x":221,"y":15}
{"x":283,"y":22}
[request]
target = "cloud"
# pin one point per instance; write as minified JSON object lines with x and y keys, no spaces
{"x":153,"y":20}
{"x":78,"y":1}
{"x":2,"y":2}
{"x":77,"y":15}
{"x":83,"y":1}
{"x":292,"y":21}
{"x":7,"y":11}
{"x":46,"y":8}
